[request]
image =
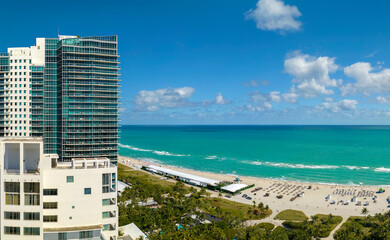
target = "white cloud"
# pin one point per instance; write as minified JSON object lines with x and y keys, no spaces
{"x":343,"y":105}
{"x":254,"y":83}
{"x":311,"y":74}
{"x":163,"y":98}
{"x":371,"y":54}
{"x":267,"y":105}
{"x":275,"y":15}
{"x":259,"y":108}
{"x":383,"y":100}
{"x":220,"y":100}
{"x":290,"y":97}
{"x":328,"y":99}
{"x":257,"y":96}
{"x":367,"y":81}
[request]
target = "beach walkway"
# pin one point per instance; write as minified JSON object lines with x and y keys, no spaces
{"x":335,"y":229}
{"x":269,"y":219}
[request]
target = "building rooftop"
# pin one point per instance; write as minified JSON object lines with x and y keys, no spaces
{"x":234,"y":187}
{"x":131,"y":230}
{"x":91,"y":159}
{"x":208,"y":181}
{"x":122,"y":186}
{"x":74,"y":229}
{"x":20,"y":139}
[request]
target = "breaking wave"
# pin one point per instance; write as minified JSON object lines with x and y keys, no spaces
{"x":355,"y":167}
{"x":382,"y":169}
{"x":214,"y":157}
{"x":161,"y":153}
{"x":302,"y":166}
{"x":290,"y":165}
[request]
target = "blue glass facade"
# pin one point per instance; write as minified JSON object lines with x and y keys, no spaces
{"x":4,"y":69}
{"x":88,"y":82}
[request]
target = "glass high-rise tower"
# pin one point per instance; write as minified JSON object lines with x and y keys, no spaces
{"x":65,"y":90}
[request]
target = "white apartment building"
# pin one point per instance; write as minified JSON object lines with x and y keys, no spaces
{"x":45,"y":199}
{"x":18,"y":100}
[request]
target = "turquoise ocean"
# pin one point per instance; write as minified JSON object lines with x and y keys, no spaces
{"x":322,"y":154}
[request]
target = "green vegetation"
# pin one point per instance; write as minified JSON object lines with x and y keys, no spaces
{"x":293,"y":215}
{"x":320,"y":226}
{"x":182,"y":212}
{"x":240,"y":210}
{"x":177,"y":203}
{"x":365,"y":228}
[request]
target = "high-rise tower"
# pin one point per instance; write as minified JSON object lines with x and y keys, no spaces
{"x":65,"y":90}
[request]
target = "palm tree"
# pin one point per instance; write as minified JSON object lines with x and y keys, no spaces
{"x":364,"y":211}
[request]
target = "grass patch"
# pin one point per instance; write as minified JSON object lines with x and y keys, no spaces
{"x":292,"y":215}
{"x":266,"y":226}
{"x":241,"y":210}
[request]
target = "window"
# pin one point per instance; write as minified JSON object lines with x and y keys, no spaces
{"x":12,"y":230}
{"x":106,"y":183}
{"x":106,"y":189}
{"x":106,"y":202}
{"x":31,"y":199}
{"x":50,"y":205}
{"x":106,"y":179}
{"x":12,"y":215}
{"x":31,"y":216}
{"x":62,"y":236}
{"x":12,"y":187}
{"x":32,"y":193}
{"x":106,"y":227}
{"x":50,"y":218}
{"x":31,"y":231}
{"x":12,"y":199}
{"x":69,"y":179}
{"x":105,"y":214}
{"x":85,"y":234}
{"x":87,"y":191}
{"x":50,"y":192}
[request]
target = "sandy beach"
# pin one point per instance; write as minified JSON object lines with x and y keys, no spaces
{"x":314,"y":196}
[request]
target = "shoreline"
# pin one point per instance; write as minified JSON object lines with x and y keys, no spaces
{"x":245,"y":176}
{"x":313,"y":201}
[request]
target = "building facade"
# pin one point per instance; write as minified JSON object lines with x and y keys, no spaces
{"x":65,"y":90}
{"x":42,"y":198}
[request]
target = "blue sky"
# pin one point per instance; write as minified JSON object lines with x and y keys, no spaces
{"x":232,"y":62}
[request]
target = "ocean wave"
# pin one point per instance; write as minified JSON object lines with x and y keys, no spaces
{"x":133,"y":148}
{"x":291,"y":165}
{"x":151,"y":160}
{"x":355,"y":167}
{"x":382,"y":169}
{"x":213,"y":157}
{"x":161,"y":153}
{"x":164,"y":153}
